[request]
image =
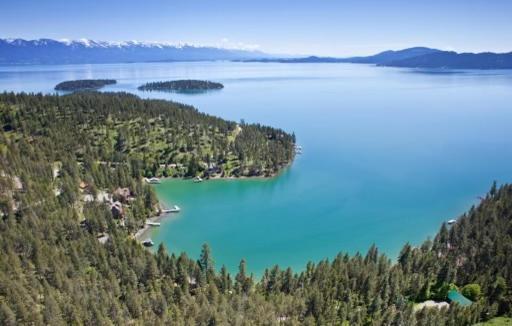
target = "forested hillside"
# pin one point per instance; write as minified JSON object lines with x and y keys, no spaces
{"x":55,"y":270}
{"x":154,"y":137}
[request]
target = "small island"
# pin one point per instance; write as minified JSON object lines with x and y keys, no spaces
{"x":185,"y":85}
{"x":84,"y":84}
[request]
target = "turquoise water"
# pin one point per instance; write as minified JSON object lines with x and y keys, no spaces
{"x":389,"y":154}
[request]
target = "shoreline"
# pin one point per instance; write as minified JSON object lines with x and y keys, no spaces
{"x":143,"y":232}
{"x":243,"y":177}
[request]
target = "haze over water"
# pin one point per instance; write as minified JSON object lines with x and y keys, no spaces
{"x":389,"y":154}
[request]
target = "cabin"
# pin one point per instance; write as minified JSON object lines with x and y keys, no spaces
{"x":103,"y":238}
{"x":124,"y":194}
{"x":18,"y":186}
{"x":117,"y":210}
{"x":83,"y":185}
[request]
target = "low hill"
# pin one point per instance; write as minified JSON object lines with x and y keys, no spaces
{"x":417,"y":57}
{"x":390,"y":56}
{"x":453,"y":60}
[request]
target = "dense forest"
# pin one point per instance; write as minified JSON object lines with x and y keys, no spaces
{"x":83,"y":84}
{"x":181,"y":85}
{"x":57,"y":267}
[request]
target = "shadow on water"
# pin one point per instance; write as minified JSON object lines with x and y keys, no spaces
{"x":185,"y":91}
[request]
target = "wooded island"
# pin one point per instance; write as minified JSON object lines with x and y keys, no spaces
{"x":84,"y":84}
{"x":181,"y":85}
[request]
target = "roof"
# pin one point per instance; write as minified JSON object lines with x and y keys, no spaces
{"x":17,"y":183}
{"x":455,"y":296}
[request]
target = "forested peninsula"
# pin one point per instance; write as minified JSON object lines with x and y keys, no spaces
{"x":69,"y":257}
{"x":84,"y":84}
{"x":185,"y":85}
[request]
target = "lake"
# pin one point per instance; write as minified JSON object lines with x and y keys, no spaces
{"x":388,"y":154}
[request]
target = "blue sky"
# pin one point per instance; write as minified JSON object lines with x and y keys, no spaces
{"x":323,"y":27}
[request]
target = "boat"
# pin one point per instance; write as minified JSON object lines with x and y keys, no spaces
{"x":198,"y":179}
{"x":175,"y":209}
{"x":152,"y":180}
{"x":450,"y":222}
{"x":153,"y":223}
{"x":148,"y":243}
{"x":298,"y":149}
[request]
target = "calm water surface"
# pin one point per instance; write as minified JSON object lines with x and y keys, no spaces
{"x":389,"y":154}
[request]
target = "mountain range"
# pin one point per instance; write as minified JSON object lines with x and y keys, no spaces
{"x":48,"y":51}
{"x":416,"y":57}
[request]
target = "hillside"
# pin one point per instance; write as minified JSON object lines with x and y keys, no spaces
{"x":157,"y":138}
{"x":48,"y":51}
{"x":417,"y":57}
{"x":390,"y":56}
{"x":69,"y":260}
{"x":453,"y":60}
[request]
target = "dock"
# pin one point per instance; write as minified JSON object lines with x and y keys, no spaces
{"x":174,"y":209}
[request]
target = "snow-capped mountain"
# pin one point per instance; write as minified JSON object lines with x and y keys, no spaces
{"x":48,"y":51}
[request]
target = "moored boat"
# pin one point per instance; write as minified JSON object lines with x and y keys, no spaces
{"x":148,"y":243}
{"x":152,"y":180}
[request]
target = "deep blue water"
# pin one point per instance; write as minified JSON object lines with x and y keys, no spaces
{"x":389,"y":154}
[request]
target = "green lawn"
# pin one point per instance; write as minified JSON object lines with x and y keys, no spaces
{"x":498,"y":321}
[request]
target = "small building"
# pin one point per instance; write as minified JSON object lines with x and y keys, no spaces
{"x":18,"y":186}
{"x":456,"y":296}
{"x":83,"y":185}
{"x":88,"y":198}
{"x":431,"y":304}
{"x":123,"y":193}
{"x":103,"y":238}
{"x":117,"y":210}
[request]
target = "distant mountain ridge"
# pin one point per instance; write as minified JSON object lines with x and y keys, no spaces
{"x":391,"y":56}
{"x":49,"y":51}
{"x":454,"y":60}
{"x":416,"y":57}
